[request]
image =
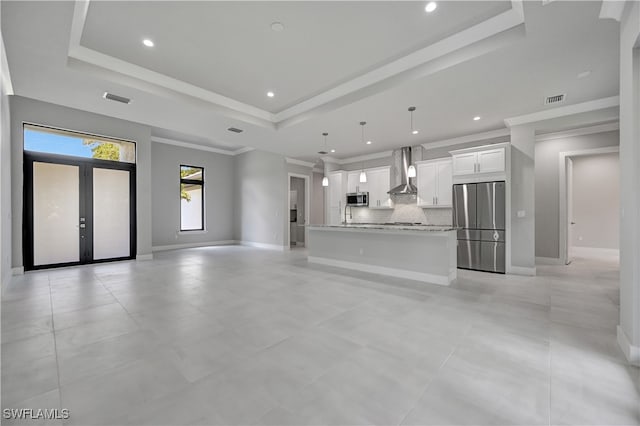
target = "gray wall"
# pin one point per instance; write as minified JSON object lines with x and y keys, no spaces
{"x":29,"y":110}
{"x":5,"y":189}
{"x":165,"y":189}
{"x":261,"y":203}
{"x":548,"y":185}
{"x":316,"y":215}
{"x":596,"y":201}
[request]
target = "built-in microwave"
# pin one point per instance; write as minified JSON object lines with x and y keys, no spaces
{"x":358,"y":199}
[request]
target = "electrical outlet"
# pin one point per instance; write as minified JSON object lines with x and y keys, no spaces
{"x":521,"y":213}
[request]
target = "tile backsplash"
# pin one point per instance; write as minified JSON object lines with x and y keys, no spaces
{"x":405,"y":210}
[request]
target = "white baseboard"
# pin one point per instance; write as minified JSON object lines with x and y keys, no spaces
{"x":548,"y":261}
{"x":192,"y":245}
{"x":262,"y":245}
{"x":595,"y":252}
{"x":632,"y":353}
{"x":382,"y":270}
{"x":521,"y":270}
{"x":18,"y":270}
{"x":144,"y":257}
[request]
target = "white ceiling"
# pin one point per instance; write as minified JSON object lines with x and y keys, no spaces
{"x":504,"y":75}
{"x":229,"y":47}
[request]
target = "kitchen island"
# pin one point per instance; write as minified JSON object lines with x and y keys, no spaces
{"x":417,"y":252}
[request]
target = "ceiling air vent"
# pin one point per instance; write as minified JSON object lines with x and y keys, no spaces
{"x":235,"y":130}
{"x":116,"y":98}
{"x":555,"y":99}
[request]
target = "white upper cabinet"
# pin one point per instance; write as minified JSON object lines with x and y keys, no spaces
{"x":378,"y":181}
{"x":465,"y":164}
{"x":435,"y":182}
{"x":444,"y":196}
{"x":491,"y":161}
{"x":481,"y":160}
{"x":354,"y":184}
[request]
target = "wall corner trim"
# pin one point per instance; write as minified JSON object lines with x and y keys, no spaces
{"x":632,"y":353}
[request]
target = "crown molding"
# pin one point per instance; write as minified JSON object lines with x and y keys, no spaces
{"x":290,"y":160}
{"x":174,"y":142}
{"x":475,"y":137}
{"x":466,"y":44}
{"x":243,"y":150}
{"x":6,"y":75}
{"x":365,"y":157}
{"x":599,"y":128}
{"x":612,"y":9}
{"x":563,"y":111}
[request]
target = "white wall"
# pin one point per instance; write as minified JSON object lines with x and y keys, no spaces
{"x":596,"y":201}
{"x":5,"y":172}
{"x":261,"y":202}
{"x":547,"y":185}
{"x":218,"y":194}
{"x":629,"y":331}
{"x":29,"y":110}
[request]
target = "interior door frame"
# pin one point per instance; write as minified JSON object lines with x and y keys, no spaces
{"x":307,"y":198}
{"x":563,"y":218}
{"x":86,"y":166}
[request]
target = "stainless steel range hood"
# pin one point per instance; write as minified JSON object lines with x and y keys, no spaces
{"x":405,"y":187}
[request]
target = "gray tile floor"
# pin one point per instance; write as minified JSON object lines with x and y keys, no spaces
{"x":235,"y":335}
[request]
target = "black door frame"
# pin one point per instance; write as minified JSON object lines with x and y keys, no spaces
{"x":86,"y":166}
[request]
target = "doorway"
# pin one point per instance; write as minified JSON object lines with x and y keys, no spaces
{"x":79,"y":199}
{"x":589,"y":203}
{"x":298,"y":210}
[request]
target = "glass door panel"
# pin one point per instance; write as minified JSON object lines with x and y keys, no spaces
{"x":111,"y":213}
{"x":56,"y":212}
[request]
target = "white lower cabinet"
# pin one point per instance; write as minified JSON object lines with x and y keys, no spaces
{"x":435,"y":180}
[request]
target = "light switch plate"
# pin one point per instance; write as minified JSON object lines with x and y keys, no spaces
{"x":521,"y":213}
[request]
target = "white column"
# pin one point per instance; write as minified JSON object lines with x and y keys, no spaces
{"x":522,"y":207}
{"x":629,"y":328}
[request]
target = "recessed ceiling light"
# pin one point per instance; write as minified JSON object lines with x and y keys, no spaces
{"x":270,"y":94}
{"x":333,"y":150}
{"x":584,"y":74}
{"x":277,"y":26}
{"x":147,"y":42}
{"x":368,"y":142}
{"x":431,"y":6}
{"x":476,"y":118}
{"x":415,"y":132}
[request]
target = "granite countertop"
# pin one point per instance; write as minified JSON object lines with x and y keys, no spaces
{"x":390,"y":227}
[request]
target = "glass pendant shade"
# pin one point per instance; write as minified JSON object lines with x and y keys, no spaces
{"x":363,"y":177}
{"x":325,"y":181}
{"x":411,"y":171}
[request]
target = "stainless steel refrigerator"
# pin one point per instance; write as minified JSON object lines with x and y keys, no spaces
{"x":479,"y":210}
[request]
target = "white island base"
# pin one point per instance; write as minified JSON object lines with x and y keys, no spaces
{"x":422,"y":253}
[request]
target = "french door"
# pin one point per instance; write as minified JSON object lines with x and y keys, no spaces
{"x":77,"y":211}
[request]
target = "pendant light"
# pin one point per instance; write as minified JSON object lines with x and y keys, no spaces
{"x":325,"y":180}
{"x":413,"y":131}
{"x":363,"y":175}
